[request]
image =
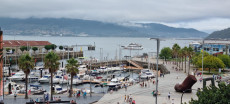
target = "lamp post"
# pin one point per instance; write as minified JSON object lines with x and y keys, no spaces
{"x":202,"y":57}
{"x":185,"y":91}
{"x":158,"y":45}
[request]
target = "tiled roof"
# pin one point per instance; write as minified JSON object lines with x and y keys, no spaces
{"x":14,"y":43}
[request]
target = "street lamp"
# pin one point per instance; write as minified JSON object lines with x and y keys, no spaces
{"x":185,"y":91}
{"x":202,"y":57}
{"x":158,"y":45}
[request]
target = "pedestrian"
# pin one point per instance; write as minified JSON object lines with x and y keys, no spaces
{"x":111,"y":91}
{"x":200,"y":79}
{"x":125,"y":87}
{"x":169,"y":96}
{"x":145,"y":84}
{"x":133,"y":102}
{"x":153,"y":81}
{"x":84,"y":94}
{"x":125,"y":98}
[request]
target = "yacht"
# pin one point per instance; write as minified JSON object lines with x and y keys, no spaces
{"x":134,"y":46}
{"x":44,"y":79}
{"x":76,"y":81}
{"x":82,"y":69}
{"x":36,"y":88}
{"x":102,"y":70}
{"x":59,"y":90}
{"x":118,"y":68}
{"x":146,"y":73}
{"x":14,"y":88}
{"x":19,"y":76}
{"x":114,"y":82}
{"x":57,"y":79}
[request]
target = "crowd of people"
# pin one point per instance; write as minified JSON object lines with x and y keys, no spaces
{"x":129,"y":99}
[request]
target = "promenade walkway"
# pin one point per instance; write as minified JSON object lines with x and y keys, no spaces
{"x":142,"y":95}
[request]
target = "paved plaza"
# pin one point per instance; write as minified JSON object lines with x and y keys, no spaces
{"x":142,"y":95}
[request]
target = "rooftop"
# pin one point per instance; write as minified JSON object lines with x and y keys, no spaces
{"x":15,"y":43}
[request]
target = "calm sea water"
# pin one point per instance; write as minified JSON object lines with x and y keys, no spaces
{"x":109,"y":45}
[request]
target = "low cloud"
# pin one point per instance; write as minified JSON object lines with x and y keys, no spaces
{"x":182,"y":12}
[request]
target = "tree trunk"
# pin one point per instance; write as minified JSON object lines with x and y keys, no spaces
{"x":176,"y":61}
{"x":71,"y":88}
{"x":182,"y":62}
{"x":51,"y":88}
{"x":26,"y":94}
{"x":185,"y":65}
{"x":179,"y":63}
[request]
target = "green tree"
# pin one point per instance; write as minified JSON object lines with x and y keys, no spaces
{"x":26,"y":63}
{"x":35,"y":49}
{"x":175,"y":50}
{"x":13,"y":50}
{"x":47,"y":47}
{"x":198,"y":58}
{"x":51,"y":63}
{"x":23,"y":48}
{"x":7,"y":49}
{"x":166,"y":53}
{"x":211,"y":62}
{"x":53,"y":46}
{"x":72,"y":69}
{"x":213,"y":95}
{"x":61,"y":47}
{"x":225,"y":59}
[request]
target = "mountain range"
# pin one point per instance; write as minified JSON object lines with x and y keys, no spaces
{"x":222,"y":34}
{"x":78,"y":27}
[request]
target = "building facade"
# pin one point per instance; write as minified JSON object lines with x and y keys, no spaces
{"x":213,"y":47}
{"x":16,"y":44}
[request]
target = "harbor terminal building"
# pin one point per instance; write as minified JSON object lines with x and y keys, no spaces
{"x":213,"y":47}
{"x":16,"y":44}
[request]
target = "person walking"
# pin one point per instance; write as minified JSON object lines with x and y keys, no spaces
{"x":169,"y":96}
{"x":125,"y":98}
{"x":125,"y":87}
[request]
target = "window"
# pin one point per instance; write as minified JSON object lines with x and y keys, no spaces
{"x":224,"y":49}
{"x":215,"y":49}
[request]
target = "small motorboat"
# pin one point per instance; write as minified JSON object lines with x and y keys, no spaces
{"x":114,"y":82}
{"x":36,"y":88}
{"x":44,"y":79}
{"x":19,"y":76}
{"x":59,"y":90}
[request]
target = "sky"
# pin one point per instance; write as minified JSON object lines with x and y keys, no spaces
{"x":203,"y":15}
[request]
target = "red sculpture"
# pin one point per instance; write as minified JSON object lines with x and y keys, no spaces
{"x":186,"y":85}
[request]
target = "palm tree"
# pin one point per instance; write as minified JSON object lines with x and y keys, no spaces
{"x":190,"y":54}
{"x":72,"y":69}
{"x":26,"y":63}
{"x":175,"y":50}
{"x":51,"y":62}
{"x":185,"y":53}
{"x":180,"y":55}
